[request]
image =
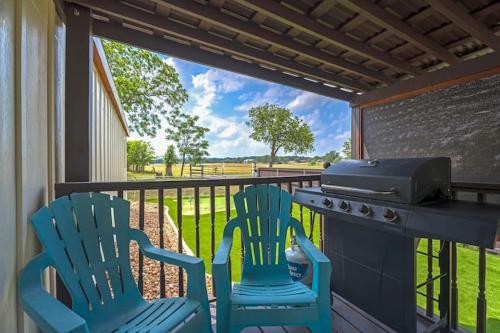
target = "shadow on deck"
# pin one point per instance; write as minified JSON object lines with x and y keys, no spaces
{"x":347,"y":318}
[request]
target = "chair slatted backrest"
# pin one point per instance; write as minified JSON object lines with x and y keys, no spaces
{"x":86,"y":237}
{"x":264,"y":216}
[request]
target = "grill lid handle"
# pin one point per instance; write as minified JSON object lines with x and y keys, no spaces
{"x":357,"y":190}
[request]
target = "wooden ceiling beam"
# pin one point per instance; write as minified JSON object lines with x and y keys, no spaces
{"x":118,"y":32}
{"x":474,"y":69}
{"x":322,"y":8}
{"x":380,"y":16}
{"x":158,"y":23}
{"x":459,"y":15}
{"x":253,"y":30}
{"x":309,"y":25}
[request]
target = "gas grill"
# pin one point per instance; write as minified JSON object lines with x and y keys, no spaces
{"x":375,"y":213}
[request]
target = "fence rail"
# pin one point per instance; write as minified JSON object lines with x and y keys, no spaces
{"x":225,"y":187}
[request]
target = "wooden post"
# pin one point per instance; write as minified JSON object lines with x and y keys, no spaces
{"x":79,"y":65}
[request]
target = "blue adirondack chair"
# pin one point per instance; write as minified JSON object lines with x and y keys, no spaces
{"x":266,"y":295}
{"x":86,"y":238}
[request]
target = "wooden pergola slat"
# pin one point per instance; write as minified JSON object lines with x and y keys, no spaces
{"x":322,"y":8}
{"x":460,"y":16}
{"x":252,"y":30}
{"x":116,"y":31}
{"x":162,"y":24}
{"x":390,"y":22}
{"x":372,"y":50}
{"x":304,"y":23}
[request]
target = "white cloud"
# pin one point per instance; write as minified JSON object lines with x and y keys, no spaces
{"x":228,"y":136}
{"x":343,"y":136}
{"x":273,"y":95}
{"x":305,"y":100}
{"x":171,"y":62}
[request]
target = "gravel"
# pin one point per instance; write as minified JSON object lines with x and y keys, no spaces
{"x":151,"y":280}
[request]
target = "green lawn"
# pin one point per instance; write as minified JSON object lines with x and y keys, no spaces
{"x":467,"y":272}
{"x":467,"y":259}
{"x":189,"y":231}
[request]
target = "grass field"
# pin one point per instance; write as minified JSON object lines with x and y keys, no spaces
{"x":467,"y":259}
{"x":189,"y":233}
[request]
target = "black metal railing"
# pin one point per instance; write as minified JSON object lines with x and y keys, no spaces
{"x":481,"y":193}
{"x":446,"y":270}
{"x":143,"y":191}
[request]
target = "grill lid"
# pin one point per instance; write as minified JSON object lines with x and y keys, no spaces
{"x":404,"y":180}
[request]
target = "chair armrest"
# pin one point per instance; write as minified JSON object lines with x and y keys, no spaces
{"x":322,"y":267}
{"x":194,"y":266}
{"x":47,"y":312}
{"x":220,"y":264}
{"x":162,"y":255}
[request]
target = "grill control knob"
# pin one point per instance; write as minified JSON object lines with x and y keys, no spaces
{"x":328,"y":203}
{"x":345,"y":206}
{"x":390,"y":215}
{"x":365,"y":210}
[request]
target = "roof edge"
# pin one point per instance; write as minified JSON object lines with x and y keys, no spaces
{"x":102,"y":65}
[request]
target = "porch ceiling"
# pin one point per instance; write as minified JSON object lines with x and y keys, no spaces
{"x":337,"y":48}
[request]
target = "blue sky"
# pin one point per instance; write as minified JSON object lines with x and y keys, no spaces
{"x":222,"y":99}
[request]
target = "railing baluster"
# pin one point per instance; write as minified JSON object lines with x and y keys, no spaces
{"x":453,"y":278}
{"x":197,"y":219}
{"x":179,"y":238}
{"x":140,"y":280}
{"x":227,"y":191}
{"x":212,"y":230}
{"x":454,"y":287}
{"x":429,"y":306}
{"x":311,"y":215}
{"x":242,"y":245}
{"x":321,"y":232}
{"x":301,"y":210}
{"x":161,"y":221}
{"x":481,"y":295}
{"x":444,"y":285}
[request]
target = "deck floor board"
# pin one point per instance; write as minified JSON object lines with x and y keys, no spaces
{"x":346,"y":318}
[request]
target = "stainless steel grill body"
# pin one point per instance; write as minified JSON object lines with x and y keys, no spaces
{"x":375,"y":213}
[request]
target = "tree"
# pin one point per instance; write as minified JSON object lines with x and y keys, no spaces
{"x":147,"y":86}
{"x":188,"y":136}
{"x":139,"y":154}
{"x":170,"y":158}
{"x":346,"y":149}
{"x":196,"y":157}
{"x":332,"y":157}
{"x":278,"y":128}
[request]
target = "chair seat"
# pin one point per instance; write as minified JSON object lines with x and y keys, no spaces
{"x":161,"y":315}
{"x":294,"y":293}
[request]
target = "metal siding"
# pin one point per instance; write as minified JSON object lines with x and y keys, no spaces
{"x":27,"y":167}
{"x":7,"y":167}
{"x":462,"y":122}
{"x":108,"y":137}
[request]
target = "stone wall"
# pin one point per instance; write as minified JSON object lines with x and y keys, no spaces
{"x":462,"y":122}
